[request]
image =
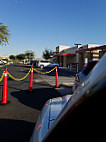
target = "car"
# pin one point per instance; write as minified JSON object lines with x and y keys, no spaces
{"x":20,"y":62}
{"x":79,"y":78}
{"x":34,"y":63}
{"x":48,"y":115}
{"x":46,"y":63}
{"x":10,"y":62}
{"x":4,"y":62}
{"x":27,"y":62}
{"x":1,"y":62}
{"x":81,"y":118}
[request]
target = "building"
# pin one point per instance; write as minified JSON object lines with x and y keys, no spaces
{"x":90,"y":52}
{"x":61,"y":47}
{"x":66,"y":55}
{"x":5,"y":58}
{"x":77,"y":56}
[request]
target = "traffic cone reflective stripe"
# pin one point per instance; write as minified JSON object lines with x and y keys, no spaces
{"x":4,"y":93}
{"x":57,"y":84}
{"x":31,"y":80}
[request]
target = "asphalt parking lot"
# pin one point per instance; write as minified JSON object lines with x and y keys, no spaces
{"x":65,"y":80}
{"x":64,"y":76}
{"x":18,"y":118}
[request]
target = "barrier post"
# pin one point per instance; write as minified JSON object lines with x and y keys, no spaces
{"x":4,"y":92}
{"x":31,"y":80}
{"x":57,"y":84}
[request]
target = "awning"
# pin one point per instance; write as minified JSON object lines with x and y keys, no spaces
{"x":65,"y":54}
{"x":91,"y":49}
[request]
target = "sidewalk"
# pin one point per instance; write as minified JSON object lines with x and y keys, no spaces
{"x":65,"y":79}
{"x":64,"y":90}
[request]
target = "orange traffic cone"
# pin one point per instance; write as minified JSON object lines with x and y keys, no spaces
{"x":4,"y":93}
{"x":57,"y":84}
{"x":31,"y":80}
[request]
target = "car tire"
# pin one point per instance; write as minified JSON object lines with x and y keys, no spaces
{"x":42,"y":66}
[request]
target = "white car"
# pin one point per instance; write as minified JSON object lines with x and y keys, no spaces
{"x":1,"y":62}
{"x":20,"y":62}
{"x":10,"y":62}
{"x":4,"y":62}
{"x":46,"y":63}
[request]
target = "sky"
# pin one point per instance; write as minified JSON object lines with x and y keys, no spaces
{"x":39,"y":24}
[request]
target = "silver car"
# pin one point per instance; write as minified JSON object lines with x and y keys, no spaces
{"x":47,"y":63}
{"x":48,"y":115}
{"x":80,"y":117}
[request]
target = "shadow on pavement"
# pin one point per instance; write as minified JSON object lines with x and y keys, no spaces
{"x":15,"y":130}
{"x":37,"y":98}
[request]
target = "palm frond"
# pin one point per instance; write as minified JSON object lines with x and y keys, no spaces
{"x":4,"y":34}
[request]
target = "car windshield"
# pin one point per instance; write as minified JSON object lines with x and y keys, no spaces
{"x":89,"y":67}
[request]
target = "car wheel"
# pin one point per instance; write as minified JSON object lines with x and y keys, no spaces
{"x":41,"y":66}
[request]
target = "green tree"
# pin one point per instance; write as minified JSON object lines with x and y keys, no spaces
{"x":20,"y":56}
{"x":29,"y":55}
{"x":4,"y":34}
{"x":12,"y":57}
{"x":47,"y":54}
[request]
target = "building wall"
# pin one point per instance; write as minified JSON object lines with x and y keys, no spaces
{"x":4,"y":58}
{"x":71,"y":59}
{"x":61,"y":47}
{"x":81,"y":58}
{"x":101,"y":53}
{"x":60,"y":61}
{"x":88,"y":46}
{"x":71,"y":50}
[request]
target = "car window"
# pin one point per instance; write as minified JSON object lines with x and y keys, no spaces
{"x":89,"y":67}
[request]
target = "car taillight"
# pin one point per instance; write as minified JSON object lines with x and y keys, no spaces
{"x":77,"y":78}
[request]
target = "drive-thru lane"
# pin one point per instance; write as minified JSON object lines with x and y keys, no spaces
{"x":18,"y":118}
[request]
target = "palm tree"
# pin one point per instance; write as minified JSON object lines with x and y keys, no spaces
{"x":4,"y":34}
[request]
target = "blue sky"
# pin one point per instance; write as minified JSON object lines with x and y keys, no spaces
{"x":39,"y":24}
